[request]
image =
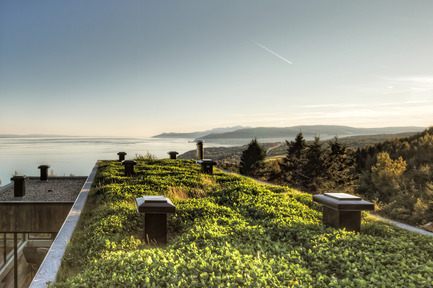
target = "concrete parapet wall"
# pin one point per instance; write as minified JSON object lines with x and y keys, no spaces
{"x":50,"y":266}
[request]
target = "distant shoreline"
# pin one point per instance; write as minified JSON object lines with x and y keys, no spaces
{"x":276,"y":134}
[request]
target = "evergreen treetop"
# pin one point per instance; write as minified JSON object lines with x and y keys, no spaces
{"x":251,"y":156}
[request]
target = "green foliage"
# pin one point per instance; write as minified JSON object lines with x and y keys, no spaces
{"x":238,"y":233}
{"x":148,"y":155}
{"x":386,"y":175}
{"x":316,"y":168}
{"x":251,"y":157}
{"x":387,"y":169}
{"x":340,"y":168}
{"x":402,"y":187}
{"x":295,"y":161}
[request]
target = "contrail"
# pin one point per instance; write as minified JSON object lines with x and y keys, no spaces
{"x":270,"y":51}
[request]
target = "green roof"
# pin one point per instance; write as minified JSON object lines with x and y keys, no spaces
{"x":230,"y":231}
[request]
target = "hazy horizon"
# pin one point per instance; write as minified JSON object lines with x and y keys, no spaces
{"x":185,"y":132}
{"x":140,"y":68}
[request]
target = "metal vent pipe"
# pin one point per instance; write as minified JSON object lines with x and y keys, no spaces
{"x":19,"y":185}
{"x":200,"y":149}
{"x":44,"y":172}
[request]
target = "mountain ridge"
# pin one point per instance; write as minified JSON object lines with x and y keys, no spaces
{"x":281,"y":133}
{"x":198,"y":134}
{"x":309,"y":131}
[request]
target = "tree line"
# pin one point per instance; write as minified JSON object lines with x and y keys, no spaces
{"x":397,"y":175}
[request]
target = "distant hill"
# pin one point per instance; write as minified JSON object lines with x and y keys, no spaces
{"x":199,"y":134}
{"x":323,"y":131}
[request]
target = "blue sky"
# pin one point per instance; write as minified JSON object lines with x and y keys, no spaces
{"x":139,"y":68}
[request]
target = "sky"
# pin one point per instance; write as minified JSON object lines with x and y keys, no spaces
{"x":140,"y":68}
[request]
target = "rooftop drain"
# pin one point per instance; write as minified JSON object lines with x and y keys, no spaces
{"x":341,"y":210}
{"x":200,"y":149}
{"x":207,"y":166}
{"x":19,"y":185}
{"x":44,"y":172}
{"x":155,"y":209}
{"x":172,"y":154}
{"x":121,"y":156}
{"x":129,"y":167}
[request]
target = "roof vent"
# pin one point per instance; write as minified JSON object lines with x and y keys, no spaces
{"x":19,"y":185}
{"x":44,"y":172}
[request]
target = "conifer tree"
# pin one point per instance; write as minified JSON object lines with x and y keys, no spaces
{"x":251,"y":157}
{"x":296,"y":148}
{"x":339,"y":167}
{"x":314,"y":168}
{"x":295,"y":160}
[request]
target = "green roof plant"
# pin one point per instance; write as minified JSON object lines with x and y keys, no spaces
{"x":230,"y":231}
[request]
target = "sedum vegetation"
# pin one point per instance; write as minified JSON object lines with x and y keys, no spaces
{"x":229,"y":231}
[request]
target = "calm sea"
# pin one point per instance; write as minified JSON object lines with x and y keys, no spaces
{"x":77,"y":155}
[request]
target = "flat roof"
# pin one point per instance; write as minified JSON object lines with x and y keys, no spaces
{"x":55,"y":189}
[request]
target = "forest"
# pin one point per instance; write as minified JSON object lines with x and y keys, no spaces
{"x":397,"y":174}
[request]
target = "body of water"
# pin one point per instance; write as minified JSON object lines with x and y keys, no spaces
{"x":77,"y":155}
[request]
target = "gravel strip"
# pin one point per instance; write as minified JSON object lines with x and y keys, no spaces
{"x":404,"y":226}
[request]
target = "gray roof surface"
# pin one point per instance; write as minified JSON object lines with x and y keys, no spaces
{"x":53,"y":190}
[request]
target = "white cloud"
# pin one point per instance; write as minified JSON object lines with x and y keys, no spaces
{"x":331,"y":105}
{"x":403,"y":113}
{"x":402,"y":104}
{"x":424,"y":81}
{"x":414,"y":86}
